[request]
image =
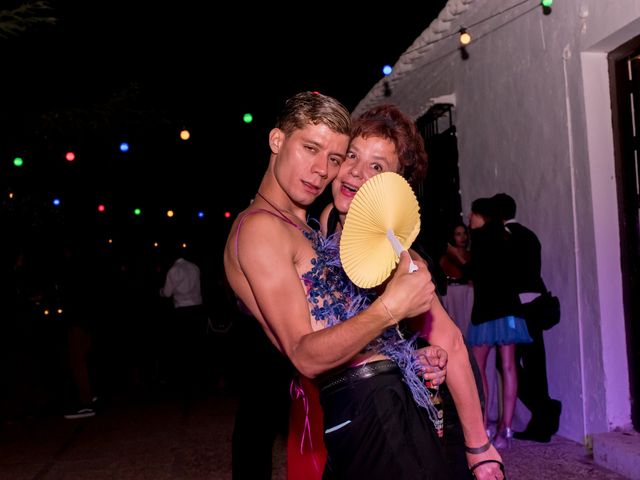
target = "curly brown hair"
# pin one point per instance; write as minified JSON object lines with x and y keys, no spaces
{"x":388,"y":121}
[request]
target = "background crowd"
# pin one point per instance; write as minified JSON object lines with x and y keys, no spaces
{"x":84,"y":322}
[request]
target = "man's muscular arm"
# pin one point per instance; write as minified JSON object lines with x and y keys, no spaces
{"x":267,"y":255}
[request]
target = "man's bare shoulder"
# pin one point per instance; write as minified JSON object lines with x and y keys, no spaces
{"x":258,"y":232}
{"x":257,"y":221}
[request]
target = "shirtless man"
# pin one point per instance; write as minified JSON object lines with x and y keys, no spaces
{"x":273,"y":263}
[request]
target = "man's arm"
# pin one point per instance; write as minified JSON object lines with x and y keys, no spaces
{"x":268,"y":253}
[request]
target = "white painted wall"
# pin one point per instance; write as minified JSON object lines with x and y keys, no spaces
{"x":533,"y":117}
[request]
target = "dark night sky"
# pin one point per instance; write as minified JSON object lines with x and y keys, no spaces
{"x":140,"y":71}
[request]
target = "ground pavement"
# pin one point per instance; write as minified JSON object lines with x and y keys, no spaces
{"x":157,"y":437}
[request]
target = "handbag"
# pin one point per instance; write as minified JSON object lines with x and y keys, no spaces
{"x":543,"y":311}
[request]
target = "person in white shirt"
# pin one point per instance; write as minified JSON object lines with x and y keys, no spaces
{"x":187,"y":327}
{"x":182,"y":284}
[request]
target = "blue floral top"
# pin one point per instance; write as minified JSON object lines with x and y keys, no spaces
{"x":335,"y":298}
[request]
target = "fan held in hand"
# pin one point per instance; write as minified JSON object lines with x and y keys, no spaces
{"x":382,"y":221}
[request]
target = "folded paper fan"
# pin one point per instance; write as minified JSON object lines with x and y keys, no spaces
{"x":383,"y":220}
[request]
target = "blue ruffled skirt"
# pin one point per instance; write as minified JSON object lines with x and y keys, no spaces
{"x":501,"y":331}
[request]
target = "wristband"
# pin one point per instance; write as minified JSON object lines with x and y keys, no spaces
{"x":477,"y":450}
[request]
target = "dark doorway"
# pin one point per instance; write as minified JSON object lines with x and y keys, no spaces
{"x":624,"y":68}
{"x":439,"y":197}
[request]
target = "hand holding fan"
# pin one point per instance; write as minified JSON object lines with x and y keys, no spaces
{"x":382,"y":221}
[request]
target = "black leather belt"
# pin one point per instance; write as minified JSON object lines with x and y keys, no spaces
{"x":347,"y":375}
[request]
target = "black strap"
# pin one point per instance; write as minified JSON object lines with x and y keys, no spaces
{"x":333,"y":220}
{"x":478,"y":450}
{"x":482,"y":462}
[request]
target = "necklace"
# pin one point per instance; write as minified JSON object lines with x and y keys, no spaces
{"x":272,"y":205}
{"x":280,"y":212}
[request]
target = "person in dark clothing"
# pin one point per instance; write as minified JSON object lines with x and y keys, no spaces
{"x":188,"y":328}
{"x":78,"y":293}
{"x":263,"y":399}
{"x":384,"y":139}
{"x":453,"y":437}
{"x":531,"y":363}
{"x":494,"y":317}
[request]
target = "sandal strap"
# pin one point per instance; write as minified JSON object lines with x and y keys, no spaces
{"x":482,"y":462}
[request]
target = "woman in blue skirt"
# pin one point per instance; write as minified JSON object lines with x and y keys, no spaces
{"x":495,"y":306}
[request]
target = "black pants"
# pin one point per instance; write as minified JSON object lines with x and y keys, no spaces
{"x":533,"y":388}
{"x":453,"y":439}
{"x":379,"y":432}
{"x":263,"y":376}
{"x":189,"y":368}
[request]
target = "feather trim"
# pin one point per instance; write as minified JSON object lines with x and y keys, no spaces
{"x":335,"y":298}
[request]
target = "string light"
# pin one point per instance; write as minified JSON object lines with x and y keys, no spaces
{"x":464,"y":54}
{"x":428,"y":44}
{"x":101,"y":208}
{"x":465,"y":38}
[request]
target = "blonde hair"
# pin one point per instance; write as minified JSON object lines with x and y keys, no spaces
{"x":315,"y":108}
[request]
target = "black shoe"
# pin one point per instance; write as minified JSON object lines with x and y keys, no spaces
{"x":543,"y":425}
{"x":555,"y":409}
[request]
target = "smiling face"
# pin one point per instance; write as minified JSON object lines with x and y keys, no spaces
{"x":307,"y":160}
{"x":366,"y":158}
